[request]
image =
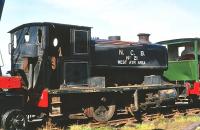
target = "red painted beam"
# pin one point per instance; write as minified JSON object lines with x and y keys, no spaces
{"x":10,"y":82}
{"x":44,"y":99}
{"x":195,"y":90}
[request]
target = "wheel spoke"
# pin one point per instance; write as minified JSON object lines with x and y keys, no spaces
{"x":10,"y":124}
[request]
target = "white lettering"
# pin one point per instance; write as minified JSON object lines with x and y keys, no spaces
{"x":135,"y":57}
{"x":142,"y":53}
{"x":121,"y":62}
{"x":132,"y":62}
{"x":128,"y":57}
{"x":141,"y":62}
{"x":121,"y":52}
{"x":132,"y":53}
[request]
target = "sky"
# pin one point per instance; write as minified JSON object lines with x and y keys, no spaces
{"x":163,"y":19}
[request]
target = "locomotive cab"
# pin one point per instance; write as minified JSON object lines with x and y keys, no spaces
{"x":50,"y":54}
{"x":183,"y":68}
{"x":182,"y":53}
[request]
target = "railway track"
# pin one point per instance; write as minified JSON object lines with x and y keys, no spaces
{"x":128,"y":120}
{"x":151,"y":115}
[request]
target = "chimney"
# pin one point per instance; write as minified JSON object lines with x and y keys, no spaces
{"x":144,"y":38}
{"x":114,"y":38}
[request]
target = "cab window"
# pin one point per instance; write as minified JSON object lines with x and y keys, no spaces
{"x":80,"y":41}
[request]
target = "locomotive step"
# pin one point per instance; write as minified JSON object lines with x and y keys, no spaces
{"x":78,"y":116}
{"x":53,"y":103}
{"x":55,"y":115}
{"x":55,"y":99}
{"x":35,"y":120}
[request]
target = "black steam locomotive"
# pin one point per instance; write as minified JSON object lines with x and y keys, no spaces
{"x":65,"y":72}
{"x":59,"y":54}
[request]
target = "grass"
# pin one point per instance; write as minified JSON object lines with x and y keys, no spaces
{"x":87,"y":127}
{"x":50,"y":126}
{"x":160,"y":123}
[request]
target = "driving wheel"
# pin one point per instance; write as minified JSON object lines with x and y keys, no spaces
{"x":14,"y":119}
{"x":103,"y":113}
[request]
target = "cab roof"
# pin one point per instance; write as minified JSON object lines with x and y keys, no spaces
{"x":46,"y":24}
{"x":178,"y":41}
